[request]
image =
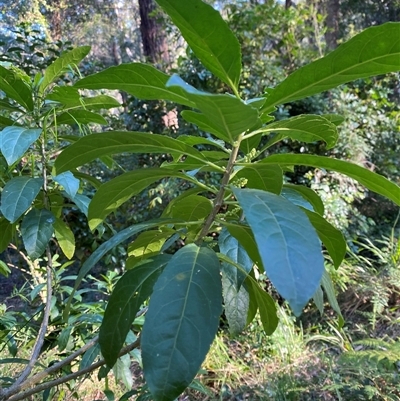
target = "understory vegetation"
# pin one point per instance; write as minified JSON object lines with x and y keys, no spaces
{"x":217,"y":219}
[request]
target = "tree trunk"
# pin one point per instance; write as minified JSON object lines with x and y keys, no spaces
{"x":332,"y":23}
{"x":153,"y":40}
{"x":56,"y":18}
{"x":288,"y":3}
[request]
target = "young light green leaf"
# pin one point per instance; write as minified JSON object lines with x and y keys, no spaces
{"x":131,"y":290}
{"x":97,"y":102}
{"x":73,"y":117}
{"x":66,"y":95}
{"x":309,"y":195}
{"x":227,"y":116}
{"x":330,"y":236}
{"x":63,"y":64}
{"x":93,"y":146}
{"x":18,"y":195}
{"x":305,"y":128}
{"x":189,"y":208}
{"x":6,"y":230}
{"x":69,"y":182}
{"x":266,"y":306}
{"x":296,"y":198}
{"x":177,"y":333}
{"x":209,"y":37}
{"x":259,"y":177}
{"x":371,"y":180}
{"x":36,"y":231}
{"x":287,"y":242}
{"x":16,"y":88}
{"x":114,"y":193}
{"x":140,"y":80}
{"x":4,"y":269}
{"x":15,"y":141}
{"x":374,"y":51}
{"x":65,"y":237}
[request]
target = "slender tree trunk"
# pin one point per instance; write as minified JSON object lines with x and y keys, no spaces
{"x":332,"y":23}
{"x":288,"y":3}
{"x":153,"y":39}
{"x":56,"y":17}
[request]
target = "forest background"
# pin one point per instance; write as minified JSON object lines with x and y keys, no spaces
{"x":277,"y":37}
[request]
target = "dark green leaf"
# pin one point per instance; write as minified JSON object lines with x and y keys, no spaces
{"x":5,"y":105}
{"x":131,"y":290}
{"x":63,"y":64}
{"x":309,"y":195}
{"x":89,"y":356}
{"x":36,"y":231}
{"x":66,"y":95}
{"x":296,"y":198}
{"x":374,"y":51}
{"x":6,"y":230}
{"x":93,"y":146}
{"x":114,"y":193}
{"x":268,"y":179}
{"x":80,"y":117}
{"x":16,"y":88}
{"x":15,"y":141}
{"x":18,"y":195}
{"x":287,"y":242}
{"x":140,"y":80}
{"x":305,"y":128}
{"x":372,"y":181}
{"x":6,"y":122}
{"x":209,"y":37}
{"x":330,"y":236}
{"x":182,"y":321}
{"x":266,"y":306}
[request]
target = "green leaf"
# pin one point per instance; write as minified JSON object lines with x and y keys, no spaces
{"x":189,"y":208}
{"x":140,"y":80}
{"x":89,"y":356}
{"x":66,"y":95}
{"x":6,"y":122}
{"x":227,"y":116}
{"x":5,"y":105}
{"x":305,"y":128}
{"x":259,"y":177}
{"x":65,"y":237}
{"x":372,"y":181}
{"x":93,"y":146}
{"x":330,"y":236}
{"x":308,"y":194}
{"x":16,"y":88}
{"x":131,"y":290}
{"x":80,"y":117}
{"x":329,"y":289}
{"x":36,"y":231}
{"x":69,"y":182}
{"x":296,"y":198}
{"x":6,"y":230}
{"x":374,"y":51}
{"x":18,"y":195}
{"x":318,"y":299}
{"x":15,"y":141}
{"x":107,"y":246}
{"x":266,"y":307}
{"x":4,"y":269}
{"x":98,"y":102}
{"x":115,"y":192}
{"x":181,"y":321}
{"x":63,"y":64}
{"x":287,"y":242}
{"x":209,"y":37}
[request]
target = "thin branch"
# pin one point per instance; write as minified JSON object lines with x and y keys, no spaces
{"x":64,"y":379}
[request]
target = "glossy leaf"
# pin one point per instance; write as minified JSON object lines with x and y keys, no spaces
{"x":177,"y":333}
{"x":65,"y":62}
{"x":69,"y":182}
{"x":190,"y":208}
{"x":305,"y":128}
{"x":296,"y":198}
{"x":140,"y":80}
{"x":287,"y":242}
{"x":65,"y":237}
{"x":266,"y":177}
{"x":93,"y":146}
{"x":73,"y":117}
{"x":266,"y":307}
{"x":209,"y":37}
{"x":371,"y":180}
{"x":115,"y":192}
{"x":36,"y":231}
{"x":330,"y":236}
{"x":6,"y":230}
{"x":374,"y":51}
{"x":227,"y":116}
{"x":16,"y":88}
{"x":131,"y":290}
{"x":17,"y":196}
{"x":15,"y":141}
{"x":309,"y":195}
